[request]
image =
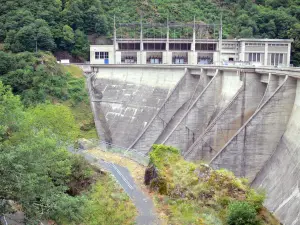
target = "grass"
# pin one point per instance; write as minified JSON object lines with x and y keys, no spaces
{"x":107,"y":203}
{"x":74,"y":70}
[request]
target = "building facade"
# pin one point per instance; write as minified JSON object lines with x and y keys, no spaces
{"x":192,"y":51}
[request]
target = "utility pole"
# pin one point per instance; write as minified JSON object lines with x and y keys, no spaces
{"x":220,"y":37}
{"x":141,"y":40}
{"x":115,"y":40}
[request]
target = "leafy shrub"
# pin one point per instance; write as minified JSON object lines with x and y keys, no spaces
{"x":256,"y":198}
{"x":241,"y":213}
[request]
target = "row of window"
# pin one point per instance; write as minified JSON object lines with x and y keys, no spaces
{"x":254,"y":57}
{"x":275,"y":58}
{"x":101,"y":55}
{"x":285,"y":45}
{"x":255,"y":44}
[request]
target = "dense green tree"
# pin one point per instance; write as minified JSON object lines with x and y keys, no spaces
{"x":28,"y":38}
{"x":35,"y":168}
{"x":241,"y":18}
{"x":81,"y":47}
{"x":38,"y":79}
{"x":68,"y":38}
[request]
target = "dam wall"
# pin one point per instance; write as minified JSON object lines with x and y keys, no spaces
{"x":130,"y":98}
{"x":204,"y":109}
{"x":229,"y":120}
{"x":247,"y":152}
{"x":280,"y":176}
{"x":176,"y":103}
{"x":244,"y":119}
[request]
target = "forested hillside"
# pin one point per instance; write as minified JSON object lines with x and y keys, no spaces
{"x":41,"y":107}
{"x":64,"y":24}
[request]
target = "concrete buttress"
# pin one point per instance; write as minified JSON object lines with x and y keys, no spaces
{"x":280,"y":176}
{"x":250,"y":148}
{"x":229,"y":120}
{"x":177,"y":101}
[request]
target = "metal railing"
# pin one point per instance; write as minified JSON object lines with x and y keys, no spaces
{"x":132,"y":154}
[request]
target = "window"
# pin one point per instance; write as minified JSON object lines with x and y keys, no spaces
{"x":254,"y":44}
{"x":282,"y":45}
{"x":254,"y":57}
{"x":101,"y":55}
{"x":276,"y":59}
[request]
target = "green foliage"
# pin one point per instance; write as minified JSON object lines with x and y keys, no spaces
{"x":241,"y":213}
{"x":45,"y":117}
{"x":247,"y":18}
{"x":196,"y":194}
{"x":256,"y":199}
{"x":11,"y":112}
{"x":108,"y":205}
{"x":39,"y":79}
{"x":81,"y":47}
{"x":35,"y":168}
{"x":49,"y":23}
{"x":27,"y":38}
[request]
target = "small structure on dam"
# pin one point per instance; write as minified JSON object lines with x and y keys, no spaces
{"x":242,"y":118}
{"x":190,"y":44}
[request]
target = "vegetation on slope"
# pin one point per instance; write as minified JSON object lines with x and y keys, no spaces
{"x":64,"y":24}
{"x":196,"y":194}
{"x":37,"y":78}
{"x":38,"y":175}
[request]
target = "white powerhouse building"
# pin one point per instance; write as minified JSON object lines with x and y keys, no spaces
{"x":192,"y":44}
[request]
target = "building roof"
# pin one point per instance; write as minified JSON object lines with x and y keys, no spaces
{"x":265,"y":40}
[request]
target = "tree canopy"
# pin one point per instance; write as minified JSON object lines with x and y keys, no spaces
{"x":65,"y":24}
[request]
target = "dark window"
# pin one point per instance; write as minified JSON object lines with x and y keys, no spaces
{"x":129,"y":46}
{"x":254,"y":57}
{"x":180,"y":46}
{"x":155,"y":46}
{"x":101,"y":55}
{"x":206,"y":46}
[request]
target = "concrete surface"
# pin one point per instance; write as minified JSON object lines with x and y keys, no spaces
{"x":130,"y":99}
{"x":171,"y":111}
{"x":247,"y":152}
{"x":280,"y":176}
{"x":252,"y":130}
{"x":229,"y":120}
{"x":220,"y":90}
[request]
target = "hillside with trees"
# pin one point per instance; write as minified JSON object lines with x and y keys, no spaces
{"x":41,"y":103}
{"x":64,"y":25}
{"x":44,"y":106}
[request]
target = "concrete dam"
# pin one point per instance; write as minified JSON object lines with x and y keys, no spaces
{"x":244,"y":119}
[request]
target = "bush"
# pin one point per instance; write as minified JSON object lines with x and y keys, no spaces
{"x":241,"y":213}
{"x":256,"y":199}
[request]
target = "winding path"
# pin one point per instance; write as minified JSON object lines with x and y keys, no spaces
{"x":141,"y":201}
